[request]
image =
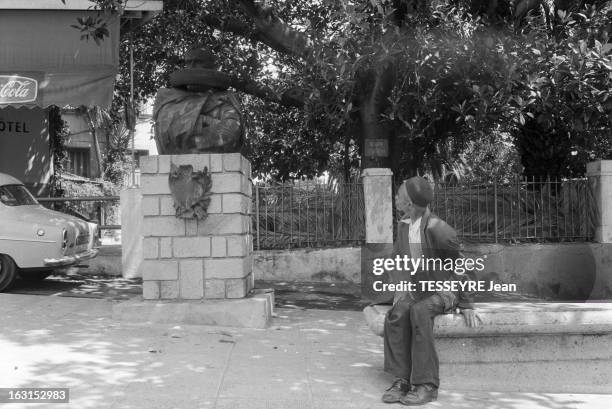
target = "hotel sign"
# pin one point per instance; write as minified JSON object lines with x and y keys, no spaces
{"x":15,"y":89}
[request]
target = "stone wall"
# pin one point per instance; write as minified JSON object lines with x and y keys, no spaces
{"x":325,"y":265}
{"x":569,"y":271}
{"x":557,"y":270}
{"x":191,"y":259}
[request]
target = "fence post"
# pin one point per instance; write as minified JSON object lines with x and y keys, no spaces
{"x":102,"y":216}
{"x":600,"y":180}
{"x":378,"y":201}
{"x":495,"y":208}
{"x":257,"y":215}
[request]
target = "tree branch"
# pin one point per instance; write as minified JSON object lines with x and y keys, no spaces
{"x":251,"y":87}
{"x":272,"y":31}
{"x":269,"y":31}
{"x":275,"y":33}
{"x":203,"y":80}
{"x":229,"y":25}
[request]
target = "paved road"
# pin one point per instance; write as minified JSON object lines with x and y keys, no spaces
{"x":307,"y":359}
{"x":328,"y":296}
{"x":309,"y":295}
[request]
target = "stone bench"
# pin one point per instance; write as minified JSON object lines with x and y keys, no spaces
{"x":515,"y":318}
{"x":523,"y":347}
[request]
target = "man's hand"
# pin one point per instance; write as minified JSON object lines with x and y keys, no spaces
{"x":471,"y":318}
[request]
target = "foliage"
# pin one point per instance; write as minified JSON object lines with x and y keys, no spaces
{"x":160,"y":46}
{"x":443,"y":76}
{"x":461,"y":82}
{"x":117,"y":166}
{"x":279,"y":145}
{"x":96,"y":28}
{"x":58,"y":133}
{"x":489,"y":159}
{"x":447,"y":91}
{"x":90,"y":210}
{"x":280,"y":142}
{"x":564,"y":94}
{"x":117,"y":159}
{"x":74,"y":188}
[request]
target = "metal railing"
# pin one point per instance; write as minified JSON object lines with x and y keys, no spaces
{"x":308,"y":214}
{"x":104,"y":210}
{"x":522,"y":210}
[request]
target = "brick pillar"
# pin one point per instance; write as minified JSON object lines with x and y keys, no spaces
{"x":600,"y":178}
{"x":378,"y":198}
{"x":191,"y":259}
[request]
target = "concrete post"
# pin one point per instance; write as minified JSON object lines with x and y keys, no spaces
{"x":600,"y":178}
{"x":131,"y":232}
{"x":377,"y":193}
{"x":378,"y":198}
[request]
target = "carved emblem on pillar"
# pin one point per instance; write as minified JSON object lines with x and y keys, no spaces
{"x":191,"y":191}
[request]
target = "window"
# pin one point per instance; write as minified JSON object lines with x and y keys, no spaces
{"x":16,"y":195}
{"x":77,"y":162}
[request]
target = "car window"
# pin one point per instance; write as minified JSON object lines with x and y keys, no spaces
{"x":16,"y":195}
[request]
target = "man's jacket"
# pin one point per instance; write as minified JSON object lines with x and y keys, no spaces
{"x":438,"y":241}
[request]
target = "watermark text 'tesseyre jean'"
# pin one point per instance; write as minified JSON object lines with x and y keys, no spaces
{"x":457,"y":265}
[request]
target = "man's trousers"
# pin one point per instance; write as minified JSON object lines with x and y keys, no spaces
{"x":410,"y":352}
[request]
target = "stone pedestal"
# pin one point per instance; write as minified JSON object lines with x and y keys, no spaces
{"x":206,"y":265}
{"x":600,"y":178}
{"x":197,"y":259}
{"x":378,"y":198}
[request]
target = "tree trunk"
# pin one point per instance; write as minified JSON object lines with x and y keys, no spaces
{"x":376,"y":85}
{"x":98,"y":153}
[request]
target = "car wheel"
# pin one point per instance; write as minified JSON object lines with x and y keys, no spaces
{"x":8,"y":272}
{"x":34,"y":275}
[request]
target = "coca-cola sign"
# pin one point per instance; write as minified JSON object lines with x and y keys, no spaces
{"x":16,"y":89}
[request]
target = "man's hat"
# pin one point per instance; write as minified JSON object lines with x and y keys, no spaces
{"x":200,"y":58}
{"x":200,"y":73}
{"x":419,"y":190}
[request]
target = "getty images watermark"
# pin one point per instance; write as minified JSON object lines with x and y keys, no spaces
{"x":405,"y":264}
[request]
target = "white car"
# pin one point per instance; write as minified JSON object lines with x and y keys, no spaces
{"x":34,"y":240}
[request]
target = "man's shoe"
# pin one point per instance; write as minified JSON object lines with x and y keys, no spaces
{"x":420,"y":395}
{"x":395,"y":392}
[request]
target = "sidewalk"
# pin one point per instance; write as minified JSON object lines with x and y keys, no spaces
{"x":307,"y":359}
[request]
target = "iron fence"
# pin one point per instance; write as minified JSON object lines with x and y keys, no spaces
{"x":308,"y":214}
{"x":103,"y":210}
{"x":522,"y":210}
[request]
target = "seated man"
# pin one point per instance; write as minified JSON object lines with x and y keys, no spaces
{"x":410,"y":353}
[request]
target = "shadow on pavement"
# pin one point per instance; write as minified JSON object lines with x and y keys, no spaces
{"x":76,"y":285}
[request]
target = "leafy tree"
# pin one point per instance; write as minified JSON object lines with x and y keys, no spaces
{"x":564,"y":99}
{"x":490,"y":159}
{"x":335,"y":77}
{"x":58,"y":133}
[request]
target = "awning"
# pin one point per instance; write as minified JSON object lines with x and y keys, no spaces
{"x":41,"y":45}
